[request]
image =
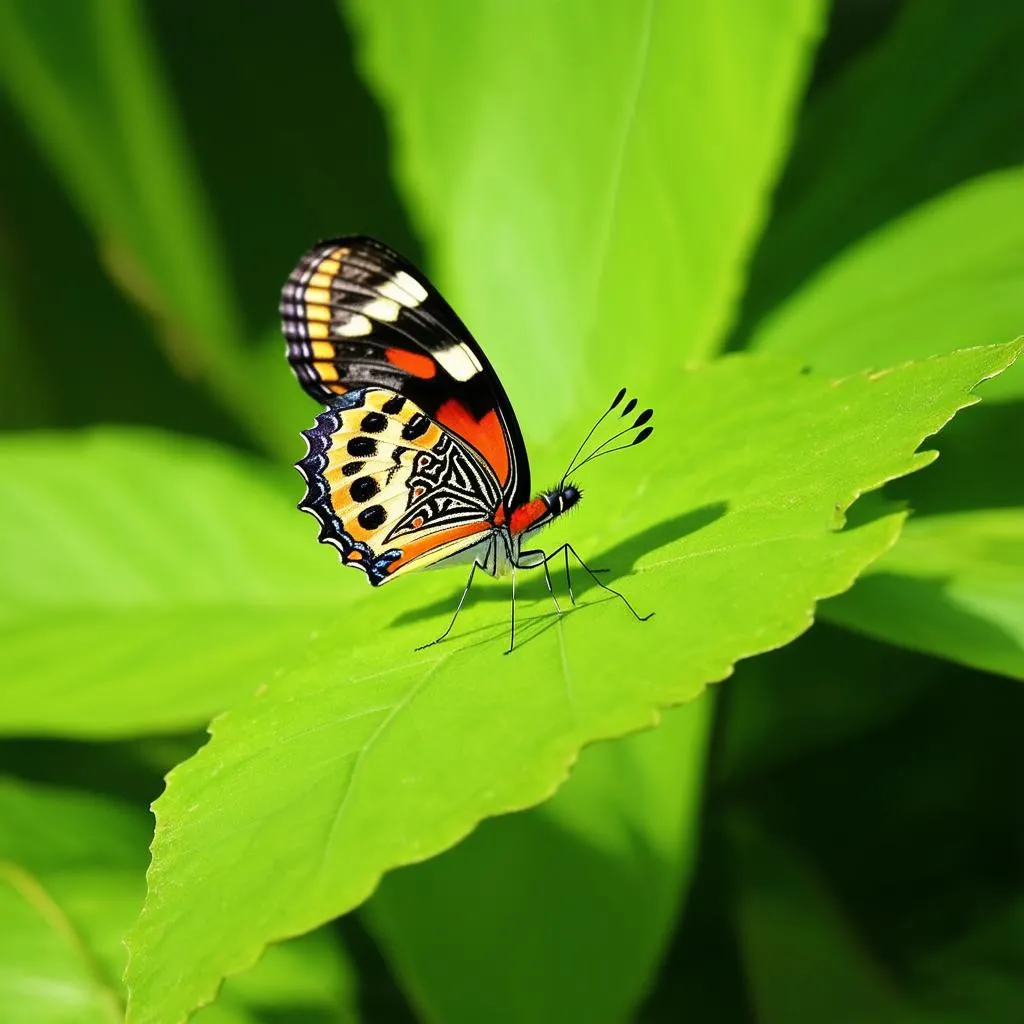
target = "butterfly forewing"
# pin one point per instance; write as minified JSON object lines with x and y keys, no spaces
{"x":356,"y":314}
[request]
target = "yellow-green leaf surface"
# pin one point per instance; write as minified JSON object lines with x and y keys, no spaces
{"x":87,"y":82}
{"x":590,"y":184}
{"x":944,"y":276}
{"x":598,"y":869}
{"x":148,"y":581}
{"x":953,"y":586}
{"x":72,"y":877}
{"x":363,"y":755}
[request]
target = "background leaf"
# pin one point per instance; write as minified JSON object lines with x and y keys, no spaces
{"x":154,"y":539}
{"x":89,"y":85}
{"x":953,"y":586}
{"x":771,"y":460}
{"x":599,"y":869}
{"x":71,"y":880}
{"x":941,"y":277}
{"x":888,"y":132}
{"x":645,"y":139}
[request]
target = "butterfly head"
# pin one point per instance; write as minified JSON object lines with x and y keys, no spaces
{"x":568,"y":496}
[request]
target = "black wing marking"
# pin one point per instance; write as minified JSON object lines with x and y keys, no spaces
{"x":357,"y":314}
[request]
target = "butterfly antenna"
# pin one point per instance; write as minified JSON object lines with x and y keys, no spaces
{"x":603,"y":449}
{"x":630,"y":405}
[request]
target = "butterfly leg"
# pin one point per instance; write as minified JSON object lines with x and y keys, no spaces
{"x":458,"y":609}
{"x":536,"y":558}
{"x":512,"y":638}
{"x":568,"y":549}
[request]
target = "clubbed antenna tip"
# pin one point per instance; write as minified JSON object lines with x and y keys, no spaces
{"x":607,"y":446}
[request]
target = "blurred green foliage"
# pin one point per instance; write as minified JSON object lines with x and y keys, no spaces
{"x":834,"y":835}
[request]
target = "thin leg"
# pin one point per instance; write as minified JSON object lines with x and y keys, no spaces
{"x":543,"y":563}
{"x":568,"y":578}
{"x":512,"y":638}
{"x":458,"y":609}
{"x":569,"y":549}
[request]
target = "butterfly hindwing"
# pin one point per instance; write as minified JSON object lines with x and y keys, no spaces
{"x":391,"y":488}
{"x":356,"y":314}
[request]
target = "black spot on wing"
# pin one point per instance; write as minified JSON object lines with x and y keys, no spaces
{"x":372,"y":517}
{"x":417,"y":426}
{"x":374,"y":423}
{"x":362,"y":447}
{"x":364,"y":488}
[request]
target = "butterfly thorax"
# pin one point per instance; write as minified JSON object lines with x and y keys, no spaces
{"x":502,"y":548}
{"x":532,"y":515}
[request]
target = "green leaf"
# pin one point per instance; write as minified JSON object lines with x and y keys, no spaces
{"x":825,"y":689}
{"x":944,"y":276}
{"x":599,"y":870}
{"x":891,"y":132}
{"x":148,"y":582}
{"x":364,"y":755}
{"x":309,"y":978}
{"x":614,"y":170}
{"x":72,"y":872}
{"x":89,"y":86}
{"x":72,"y":878}
{"x":953,"y":586}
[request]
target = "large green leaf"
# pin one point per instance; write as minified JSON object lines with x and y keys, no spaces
{"x":588,"y":186}
{"x":363,"y":755}
{"x":944,"y":276}
{"x":72,"y":869}
{"x":88,"y":84}
{"x":944,"y":273}
{"x":148,"y":580}
{"x":895,"y":129}
{"x":953,"y":586}
{"x":598,"y":870}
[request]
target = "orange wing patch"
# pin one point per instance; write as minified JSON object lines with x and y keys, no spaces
{"x":412,"y":362}
{"x":437,"y":544}
{"x":485,"y":435}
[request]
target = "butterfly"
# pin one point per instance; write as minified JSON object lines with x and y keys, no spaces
{"x":417,"y":459}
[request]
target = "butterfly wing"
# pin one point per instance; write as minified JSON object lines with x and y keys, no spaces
{"x":392,"y":489}
{"x":356,"y":314}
